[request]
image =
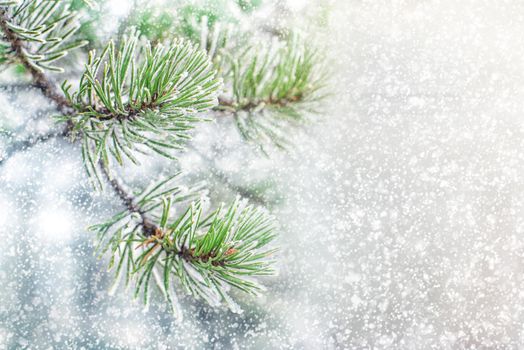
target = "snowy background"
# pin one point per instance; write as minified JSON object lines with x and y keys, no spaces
{"x":401,"y":209}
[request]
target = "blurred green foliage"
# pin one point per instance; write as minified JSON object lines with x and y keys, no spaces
{"x":249,"y":5}
{"x":184,"y":19}
{"x":3,"y":53}
{"x":155,"y":26}
{"x":90,"y":21}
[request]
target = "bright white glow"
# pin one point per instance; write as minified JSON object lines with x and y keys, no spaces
{"x":296,"y":5}
{"x":9,"y":219}
{"x":62,"y":175}
{"x":53,"y":225}
{"x":129,"y":335}
{"x":4,"y":211}
{"x":119,"y":7}
{"x":17,"y":172}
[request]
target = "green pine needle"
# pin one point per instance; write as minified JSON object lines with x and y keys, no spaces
{"x":46,"y":29}
{"x":206,"y":254}
{"x":141,"y":99}
{"x":272,"y":90}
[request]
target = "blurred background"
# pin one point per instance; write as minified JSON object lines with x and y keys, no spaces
{"x":400,"y":205}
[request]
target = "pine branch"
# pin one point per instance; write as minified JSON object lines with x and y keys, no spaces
{"x":145,"y":102}
{"x":23,"y":145}
{"x":128,"y":201}
{"x":40,"y":80}
{"x":47,"y":28}
{"x":272,"y":89}
{"x":48,"y":89}
{"x":140,"y":99}
{"x":207,"y":254}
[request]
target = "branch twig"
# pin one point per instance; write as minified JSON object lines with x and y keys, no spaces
{"x":129,"y":201}
{"x":40,"y":80}
{"x":23,"y":145}
{"x":48,"y":89}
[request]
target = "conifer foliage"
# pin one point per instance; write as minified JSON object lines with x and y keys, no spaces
{"x":143,"y":96}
